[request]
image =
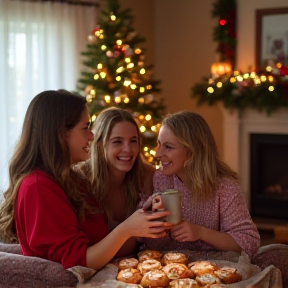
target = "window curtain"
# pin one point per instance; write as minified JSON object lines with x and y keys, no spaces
{"x":40,"y":49}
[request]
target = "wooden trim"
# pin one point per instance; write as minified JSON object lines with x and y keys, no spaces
{"x":260,"y":13}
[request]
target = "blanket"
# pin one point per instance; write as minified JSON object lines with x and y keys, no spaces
{"x":252,"y":276}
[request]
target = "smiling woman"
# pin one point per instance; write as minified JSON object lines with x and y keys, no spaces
{"x":122,"y":148}
{"x":119,"y":173}
{"x":50,"y":210}
{"x":79,"y":138}
{"x":34,"y":57}
{"x":215,"y":215}
{"x":40,"y":178}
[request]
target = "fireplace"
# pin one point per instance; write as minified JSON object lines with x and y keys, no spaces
{"x":239,"y":128}
{"x":269,"y":175}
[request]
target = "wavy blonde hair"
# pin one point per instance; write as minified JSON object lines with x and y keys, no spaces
{"x":100,"y":178}
{"x":43,"y":145}
{"x":204,"y":166}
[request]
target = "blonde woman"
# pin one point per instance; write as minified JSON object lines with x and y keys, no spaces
{"x":215,"y":216}
{"x":119,"y":175}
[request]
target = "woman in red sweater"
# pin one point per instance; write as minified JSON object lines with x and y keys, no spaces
{"x":47,"y":208}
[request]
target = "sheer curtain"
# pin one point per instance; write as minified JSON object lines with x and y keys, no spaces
{"x":40,"y":49}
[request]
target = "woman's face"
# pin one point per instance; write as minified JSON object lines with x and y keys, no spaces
{"x":122,"y":147}
{"x":171,"y":153}
{"x":79,"y":138}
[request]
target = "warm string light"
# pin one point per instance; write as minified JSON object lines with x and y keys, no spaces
{"x":112,"y":17}
{"x":143,"y":119}
{"x":131,"y":64}
{"x":236,"y":76}
{"x":121,"y":98}
{"x":102,"y":73}
{"x":266,"y":91}
{"x":220,"y":68}
{"x":150,"y":155}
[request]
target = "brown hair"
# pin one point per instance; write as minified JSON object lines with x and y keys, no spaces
{"x":43,"y":145}
{"x":204,"y":166}
{"x":100,"y":178}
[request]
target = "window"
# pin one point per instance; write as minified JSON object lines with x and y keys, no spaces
{"x":40,"y":49}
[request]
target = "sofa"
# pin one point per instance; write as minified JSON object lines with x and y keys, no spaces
{"x":17,"y":271}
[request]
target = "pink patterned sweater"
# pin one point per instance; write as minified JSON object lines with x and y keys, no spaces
{"x":226,"y":211}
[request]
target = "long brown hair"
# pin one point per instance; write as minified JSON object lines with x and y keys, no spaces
{"x":43,"y":145}
{"x":204,"y":166}
{"x":134,"y":179}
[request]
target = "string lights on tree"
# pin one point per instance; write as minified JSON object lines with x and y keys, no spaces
{"x":116,"y":74}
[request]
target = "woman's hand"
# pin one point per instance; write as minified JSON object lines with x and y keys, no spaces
{"x":155,"y":202}
{"x":186,"y":231}
{"x":147,"y":224}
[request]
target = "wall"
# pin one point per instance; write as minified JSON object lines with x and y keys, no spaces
{"x":246,"y":29}
{"x":184,"y":54}
{"x":144,"y":23}
{"x":180,"y":45}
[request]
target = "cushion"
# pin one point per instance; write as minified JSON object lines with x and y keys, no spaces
{"x":10,"y":248}
{"x":273,"y":254}
{"x":24,"y":271}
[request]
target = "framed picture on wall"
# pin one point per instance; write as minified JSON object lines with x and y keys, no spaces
{"x":271,"y":37}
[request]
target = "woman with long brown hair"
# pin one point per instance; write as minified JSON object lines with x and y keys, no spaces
{"x":48,"y":208}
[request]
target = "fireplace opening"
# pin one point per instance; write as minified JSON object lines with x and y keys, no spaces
{"x":269,"y":175}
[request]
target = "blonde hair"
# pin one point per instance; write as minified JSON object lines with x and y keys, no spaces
{"x":100,"y":178}
{"x":204,"y":166}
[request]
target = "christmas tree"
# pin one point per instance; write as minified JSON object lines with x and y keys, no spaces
{"x":116,"y":74}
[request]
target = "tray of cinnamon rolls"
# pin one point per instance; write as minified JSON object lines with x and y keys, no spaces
{"x":153,"y":269}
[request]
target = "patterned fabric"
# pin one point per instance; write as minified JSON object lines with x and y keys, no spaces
{"x":10,"y":248}
{"x":226,"y":212}
{"x":33,"y":272}
{"x":274,"y":254}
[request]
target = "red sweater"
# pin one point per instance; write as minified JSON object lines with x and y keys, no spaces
{"x":47,"y":225}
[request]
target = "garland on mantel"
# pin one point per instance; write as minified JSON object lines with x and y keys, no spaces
{"x":266,"y":91}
